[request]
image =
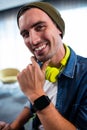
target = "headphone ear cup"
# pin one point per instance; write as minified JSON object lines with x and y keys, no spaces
{"x":52,"y":73}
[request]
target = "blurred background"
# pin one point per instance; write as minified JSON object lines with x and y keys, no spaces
{"x":13,"y":52}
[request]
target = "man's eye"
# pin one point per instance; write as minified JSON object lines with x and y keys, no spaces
{"x":25,"y":35}
{"x":40,"y":27}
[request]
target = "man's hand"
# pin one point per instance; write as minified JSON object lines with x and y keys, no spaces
{"x":32,"y":79}
{"x":4,"y":126}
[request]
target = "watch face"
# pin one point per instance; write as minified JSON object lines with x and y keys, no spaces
{"x":41,"y":103}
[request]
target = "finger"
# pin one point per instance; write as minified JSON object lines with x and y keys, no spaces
{"x":2,"y":124}
{"x":7,"y":127}
{"x":34,"y":62}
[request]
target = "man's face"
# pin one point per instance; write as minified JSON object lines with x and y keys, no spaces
{"x":40,"y":34}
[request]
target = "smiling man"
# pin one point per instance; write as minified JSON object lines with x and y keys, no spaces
{"x":56,"y":81}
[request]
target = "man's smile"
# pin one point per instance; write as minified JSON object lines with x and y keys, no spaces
{"x":40,"y":49}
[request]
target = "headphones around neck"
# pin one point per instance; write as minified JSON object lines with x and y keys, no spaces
{"x":53,"y":72}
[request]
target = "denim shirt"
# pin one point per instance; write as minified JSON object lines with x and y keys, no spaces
{"x":72,"y":91}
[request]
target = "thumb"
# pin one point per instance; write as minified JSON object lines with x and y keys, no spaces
{"x":34,"y":63}
{"x":33,"y":60}
{"x":44,"y":66}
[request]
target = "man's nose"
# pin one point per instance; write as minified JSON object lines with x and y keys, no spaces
{"x":34,"y":37}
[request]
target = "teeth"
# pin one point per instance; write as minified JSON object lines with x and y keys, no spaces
{"x":40,"y":48}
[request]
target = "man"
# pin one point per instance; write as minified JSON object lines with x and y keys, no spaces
{"x":56,"y":81}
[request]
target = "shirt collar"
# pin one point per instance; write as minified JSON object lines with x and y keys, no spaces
{"x":70,"y":67}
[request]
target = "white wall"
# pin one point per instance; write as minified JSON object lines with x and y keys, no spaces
{"x":76,"y":29}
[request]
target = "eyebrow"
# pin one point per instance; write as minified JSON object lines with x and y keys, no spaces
{"x":39,"y":22}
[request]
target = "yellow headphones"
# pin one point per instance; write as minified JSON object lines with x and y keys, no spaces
{"x":53,"y":72}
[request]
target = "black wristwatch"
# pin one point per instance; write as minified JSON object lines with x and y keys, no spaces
{"x":41,"y":103}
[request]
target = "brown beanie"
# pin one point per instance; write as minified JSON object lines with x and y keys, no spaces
{"x":48,"y":9}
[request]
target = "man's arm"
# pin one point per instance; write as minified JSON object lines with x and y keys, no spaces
{"x":52,"y":120}
{"x":22,"y":118}
{"x":18,"y":123}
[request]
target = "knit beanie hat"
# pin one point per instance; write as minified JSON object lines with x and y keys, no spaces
{"x":52,"y":12}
